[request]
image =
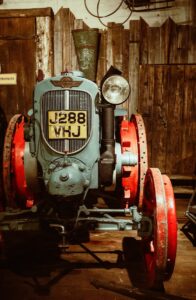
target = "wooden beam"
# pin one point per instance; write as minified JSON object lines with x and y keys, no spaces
{"x":21,"y":13}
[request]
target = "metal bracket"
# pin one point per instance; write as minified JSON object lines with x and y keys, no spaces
{"x":106,"y":222}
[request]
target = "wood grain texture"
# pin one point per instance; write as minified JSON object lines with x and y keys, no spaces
{"x":21,"y":13}
{"x":65,"y":55}
{"x":102,"y":56}
{"x":188,"y":158}
{"x":44,"y":46}
{"x":17,"y":98}
{"x":134,"y":57}
{"x":26,"y":45}
{"x":174,"y":121}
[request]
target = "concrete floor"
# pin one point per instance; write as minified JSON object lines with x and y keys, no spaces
{"x":32,"y":273}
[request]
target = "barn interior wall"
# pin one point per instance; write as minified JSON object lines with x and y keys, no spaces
{"x":181,"y":12}
{"x":144,"y":53}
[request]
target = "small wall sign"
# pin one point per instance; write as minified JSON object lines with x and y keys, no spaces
{"x":8,"y":79}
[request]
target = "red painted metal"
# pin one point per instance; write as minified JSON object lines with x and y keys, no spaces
{"x":172,"y":227}
{"x":7,"y":167}
{"x":130,"y":174}
{"x":15,"y":186}
{"x":17,"y":160}
{"x":142,"y":153}
{"x":155,"y":247}
{"x":133,"y":139}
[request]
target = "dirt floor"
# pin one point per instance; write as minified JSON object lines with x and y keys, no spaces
{"x":33,"y":269}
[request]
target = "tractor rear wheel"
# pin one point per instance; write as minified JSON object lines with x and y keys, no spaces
{"x":159,"y":249}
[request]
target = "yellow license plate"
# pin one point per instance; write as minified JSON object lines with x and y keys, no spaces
{"x":67,"y":124}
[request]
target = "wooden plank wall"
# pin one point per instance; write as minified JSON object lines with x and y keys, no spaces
{"x":160,"y":64}
{"x":167,"y":102}
{"x":17,"y":42}
{"x":167,"y":93}
{"x":26,"y":47}
{"x":64,"y":53}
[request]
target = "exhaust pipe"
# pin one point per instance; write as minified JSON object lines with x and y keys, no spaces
{"x":86,"y":44}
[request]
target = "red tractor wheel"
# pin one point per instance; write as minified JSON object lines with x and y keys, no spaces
{"x":14,"y":182}
{"x":172,"y":227}
{"x":160,"y":247}
{"x":133,"y":139}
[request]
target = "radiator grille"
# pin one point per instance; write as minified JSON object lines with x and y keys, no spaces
{"x":65,"y":100}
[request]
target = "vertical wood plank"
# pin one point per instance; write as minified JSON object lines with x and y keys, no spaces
{"x":188,"y":158}
{"x":109,"y":46}
{"x":154,"y":46}
{"x":102,"y":56}
{"x":159,"y":125}
{"x":172,"y":47}
{"x":144,"y":40}
{"x":125,"y":53}
{"x":44,"y":46}
{"x":58,"y":42}
{"x":165,"y":40}
{"x":134,"y":54}
{"x":174,"y":127}
{"x":192,"y":45}
{"x":68,"y":45}
{"x":115,"y":46}
{"x":182,"y":44}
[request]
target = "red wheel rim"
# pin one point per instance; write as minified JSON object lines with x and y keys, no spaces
{"x":7,"y":166}
{"x":142,"y":154}
{"x":133,"y":139}
{"x":18,"y":146}
{"x":172,"y":227}
{"x":130,"y":174}
{"x":14,"y":181}
{"x":155,"y":246}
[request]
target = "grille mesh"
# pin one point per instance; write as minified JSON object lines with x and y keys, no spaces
{"x":65,"y":100}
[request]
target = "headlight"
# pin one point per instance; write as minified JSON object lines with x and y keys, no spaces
{"x":115,"y":89}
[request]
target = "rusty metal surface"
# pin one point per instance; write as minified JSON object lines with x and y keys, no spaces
{"x":86,"y":45}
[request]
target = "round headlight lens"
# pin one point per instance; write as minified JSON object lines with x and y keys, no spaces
{"x":115,"y":89}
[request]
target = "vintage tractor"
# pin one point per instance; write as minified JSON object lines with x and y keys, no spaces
{"x":75,"y":147}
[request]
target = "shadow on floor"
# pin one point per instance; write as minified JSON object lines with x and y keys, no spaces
{"x":33,"y":256}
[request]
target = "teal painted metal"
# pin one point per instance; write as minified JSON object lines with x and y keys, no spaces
{"x":66,"y":174}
